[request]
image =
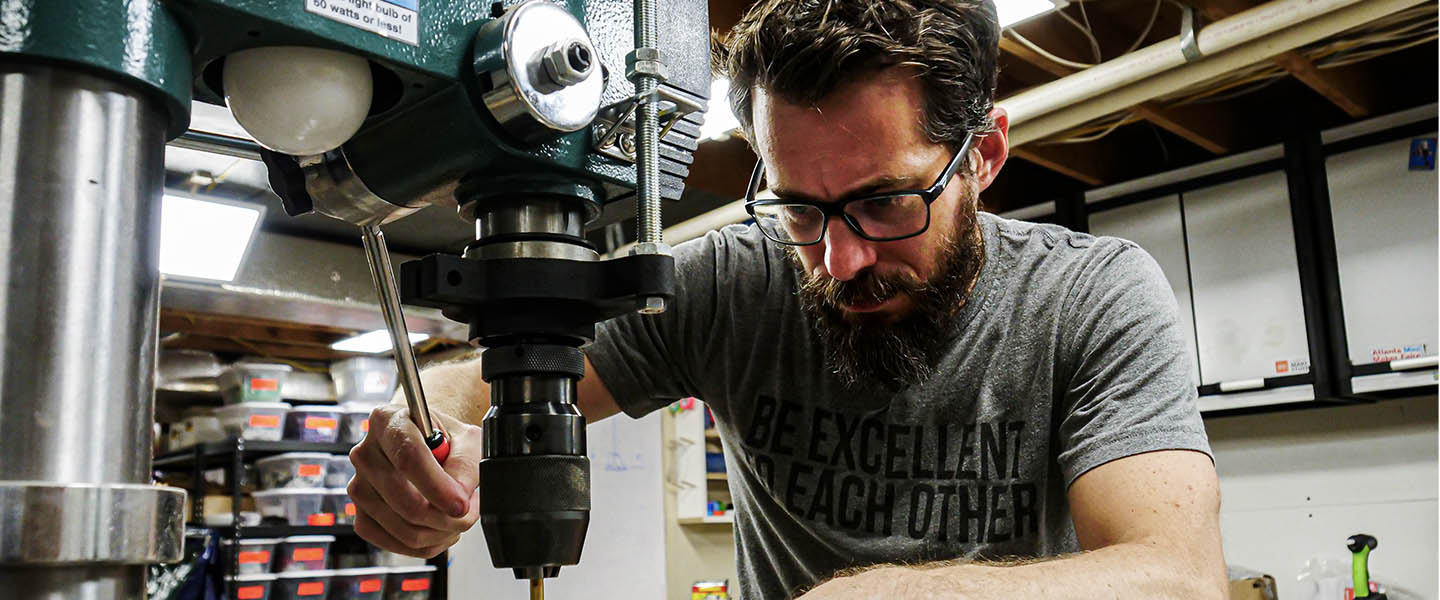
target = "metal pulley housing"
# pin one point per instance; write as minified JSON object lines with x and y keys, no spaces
{"x":544,"y":74}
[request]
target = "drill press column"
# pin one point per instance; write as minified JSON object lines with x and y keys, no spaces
{"x":80,"y":184}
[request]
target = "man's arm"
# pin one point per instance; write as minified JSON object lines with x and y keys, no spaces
{"x":1149,"y":524}
{"x":407,"y":503}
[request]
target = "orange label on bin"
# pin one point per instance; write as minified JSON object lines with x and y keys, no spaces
{"x":349,"y":509}
{"x":308,"y":554}
{"x":250,"y":592}
{"x":254,"y":557}
{"x":308,"y":470}
{"x":321,"y":519}
{"x":319,"y":423}
{"x":415,"y":585}
{"x":264,"y":420}
{"x":365,"y":426}
{"x":370,"y":585}
{"x":310,"y":588}
{"x":261,"y":384}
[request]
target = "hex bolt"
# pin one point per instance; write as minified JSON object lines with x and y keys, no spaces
{"x":568,"y":63}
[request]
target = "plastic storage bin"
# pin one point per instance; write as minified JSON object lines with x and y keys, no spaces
{"x":195,"y":429}
{"x":256,"y":421}
{"x":294,"y":506}
{"x":253,"y":382}
{"x":301,"y":585}
{"x":252,"y":556}
{"x":337,"y":502}
{"x":340,"y":471}
{"x":358,"y":584}
{"x":364,"y":380}
{"x":255,"y":586}
{"x":304,"y":553}
{"x":293,"y":470}
{"x":354,"y":423}
{"x":409,"y":583}
{"x":320,"y":424}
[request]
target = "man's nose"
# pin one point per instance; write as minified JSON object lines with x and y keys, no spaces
{"x":846,"y":253}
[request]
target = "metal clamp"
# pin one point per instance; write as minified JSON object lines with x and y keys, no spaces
{"x":1189,"y":23}
{"x":615,"y":126}
{"x":44,"y":523}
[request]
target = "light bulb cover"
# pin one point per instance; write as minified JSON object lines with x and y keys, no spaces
{"x":298,"y":100}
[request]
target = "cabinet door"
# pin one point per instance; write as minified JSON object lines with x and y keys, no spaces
{"x":1157,"y":227}
{"x":1385,"y":240}
{"x":1249,"y":318}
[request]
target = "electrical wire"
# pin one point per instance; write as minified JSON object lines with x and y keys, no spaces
{"x":1024,"y":41}
{"x":1089,"y":35}
{"x":1154,"y":13}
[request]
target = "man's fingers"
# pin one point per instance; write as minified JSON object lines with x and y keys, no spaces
{"x":372,"y":532}
{"x":466,"y":449}
{"x":405,"y":449}
{"x":377,"y":482}
{"x":400,"y":529}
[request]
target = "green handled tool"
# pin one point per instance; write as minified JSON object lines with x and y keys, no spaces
{"x":1360,"y":546}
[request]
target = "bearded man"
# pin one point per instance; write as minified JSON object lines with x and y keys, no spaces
{"x":917,"y":399}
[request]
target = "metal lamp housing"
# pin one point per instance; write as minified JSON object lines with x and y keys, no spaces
{"x":542,"y":71}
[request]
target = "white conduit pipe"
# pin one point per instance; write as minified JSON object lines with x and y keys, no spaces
{"x":1241,"y":40}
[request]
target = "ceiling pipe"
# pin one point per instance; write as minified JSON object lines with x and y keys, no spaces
{"x":1162,"y":68}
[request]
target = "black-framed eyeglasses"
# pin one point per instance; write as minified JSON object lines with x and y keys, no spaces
{"x":882,"y":217}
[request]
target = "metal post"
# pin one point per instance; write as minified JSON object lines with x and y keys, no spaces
{"x":81,"y":168}
{"x":647,"y":70}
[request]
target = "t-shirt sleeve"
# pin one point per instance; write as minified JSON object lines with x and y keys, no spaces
{"x":1126,"y":384}
{"x":649,"y":361}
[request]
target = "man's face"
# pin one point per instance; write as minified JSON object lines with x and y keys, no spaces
{"x":879,"y":305}
{"x":863,"y":138}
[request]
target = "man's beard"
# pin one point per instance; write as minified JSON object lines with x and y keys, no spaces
{"x":895,"y":352}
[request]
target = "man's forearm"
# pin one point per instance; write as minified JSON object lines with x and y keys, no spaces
{"x":456,"y":389}
{"x":1122,"y":570}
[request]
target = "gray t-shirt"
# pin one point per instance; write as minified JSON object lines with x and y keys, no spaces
{"x":1067,"y":356}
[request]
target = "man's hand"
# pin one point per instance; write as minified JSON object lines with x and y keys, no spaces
{"x":405,"y":502}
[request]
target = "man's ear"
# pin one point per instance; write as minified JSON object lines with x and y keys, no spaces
{"x":993,"y":148}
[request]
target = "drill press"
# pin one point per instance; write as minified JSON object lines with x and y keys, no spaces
{"x":534,"y":119}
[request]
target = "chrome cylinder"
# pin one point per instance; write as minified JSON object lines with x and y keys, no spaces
{"x":81,"y":175}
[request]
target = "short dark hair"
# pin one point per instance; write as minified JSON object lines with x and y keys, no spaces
{"x":801,"y":50}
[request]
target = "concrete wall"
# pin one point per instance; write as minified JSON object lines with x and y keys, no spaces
{"x":1296,"y":484}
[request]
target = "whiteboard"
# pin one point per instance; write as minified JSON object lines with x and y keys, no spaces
{"x":624,"y":556}
{"x":1156,"y":226}
{"x":1385,"y":242}
{"x":1249,"y":318}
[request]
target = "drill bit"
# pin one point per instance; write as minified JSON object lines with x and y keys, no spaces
{"x":537,"y":588}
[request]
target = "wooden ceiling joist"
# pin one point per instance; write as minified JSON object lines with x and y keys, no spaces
{"x":1084,"y":164}
{"x":249,"y":348}
{"x":1210,"y":128}
{"x":250,"y":329}
{"x":1345,"y":92}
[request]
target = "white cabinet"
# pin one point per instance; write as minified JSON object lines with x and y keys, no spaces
{"x":1385,"y":240}
{"x":1156,"y":225}
{"x":1249,"y":317}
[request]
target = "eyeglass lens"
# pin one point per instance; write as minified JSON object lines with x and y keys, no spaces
{"x":881,"y":218}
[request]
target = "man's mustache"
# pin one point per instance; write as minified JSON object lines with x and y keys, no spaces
{"x":867,"y":287}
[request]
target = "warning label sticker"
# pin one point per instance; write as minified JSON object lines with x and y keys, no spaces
{"x":393,"y":19}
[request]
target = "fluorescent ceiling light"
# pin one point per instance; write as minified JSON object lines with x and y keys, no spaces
{"x":374,"y":342}
{"x":1011,"y":12}
{"x":719,"y":121}
{"x":203,"y":239}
